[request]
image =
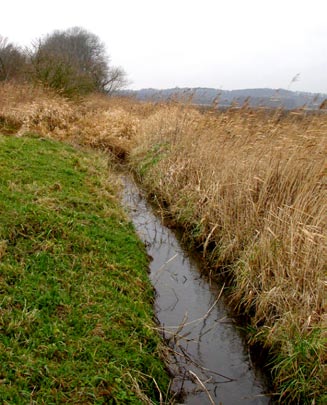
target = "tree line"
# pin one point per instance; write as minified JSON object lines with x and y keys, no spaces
{"x":72,"y":62}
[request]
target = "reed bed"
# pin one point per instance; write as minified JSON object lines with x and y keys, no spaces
{"x":249,"y":188}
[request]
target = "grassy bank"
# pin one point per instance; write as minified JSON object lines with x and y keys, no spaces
{"x":76,"y":304}
{"x":249,"y":189}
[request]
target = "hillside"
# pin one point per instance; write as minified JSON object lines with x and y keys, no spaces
{"x":271,"y":98}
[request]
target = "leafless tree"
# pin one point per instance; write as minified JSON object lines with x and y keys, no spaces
{"x":116,"y":79}
{"x":75,"y":62}
{"x":12,"y":61}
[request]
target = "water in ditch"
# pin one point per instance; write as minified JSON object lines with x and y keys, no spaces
{"x":208,"y":357}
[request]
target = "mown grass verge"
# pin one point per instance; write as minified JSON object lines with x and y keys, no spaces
{"x":76,"y":311}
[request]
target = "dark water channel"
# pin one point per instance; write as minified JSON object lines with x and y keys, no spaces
{"x":208,"y":356}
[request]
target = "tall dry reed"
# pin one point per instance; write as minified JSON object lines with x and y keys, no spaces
{"x":249,"y":186}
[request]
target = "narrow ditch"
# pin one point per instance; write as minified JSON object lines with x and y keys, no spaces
{"x":208,"y":357}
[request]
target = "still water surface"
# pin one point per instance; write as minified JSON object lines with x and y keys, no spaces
{"x":208,"y":356}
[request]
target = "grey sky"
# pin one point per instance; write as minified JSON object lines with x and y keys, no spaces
{"x":226,"y":44}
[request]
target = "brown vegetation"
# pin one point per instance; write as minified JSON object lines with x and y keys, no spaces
{"x":93,"y":121}
{"x":249,"y":188}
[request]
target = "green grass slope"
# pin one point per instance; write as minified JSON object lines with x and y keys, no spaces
{"x":76,"y":311}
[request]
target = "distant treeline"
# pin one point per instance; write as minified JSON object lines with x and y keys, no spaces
{"x":73,"y":62}
{"x":224,"y":98}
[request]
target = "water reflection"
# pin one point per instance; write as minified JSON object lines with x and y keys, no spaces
{"x":207,"y":353}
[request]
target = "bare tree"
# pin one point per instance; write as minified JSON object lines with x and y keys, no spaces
{"x":115,"y":80}
{"x":12,"y":61}
{"x":74,"y":61}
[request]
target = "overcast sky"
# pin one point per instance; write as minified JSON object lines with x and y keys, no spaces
{"x":227,"y":44}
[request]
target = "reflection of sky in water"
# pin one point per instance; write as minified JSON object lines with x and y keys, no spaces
{"x":208,"y":343}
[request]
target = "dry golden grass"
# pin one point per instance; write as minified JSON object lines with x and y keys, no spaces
{"x":30,"y":108}
{"x":94,"y":121}
{"x":249,"y":186}
{"x":254,"y":184}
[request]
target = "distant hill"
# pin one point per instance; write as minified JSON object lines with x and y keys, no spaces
{"x":271,"y":98}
